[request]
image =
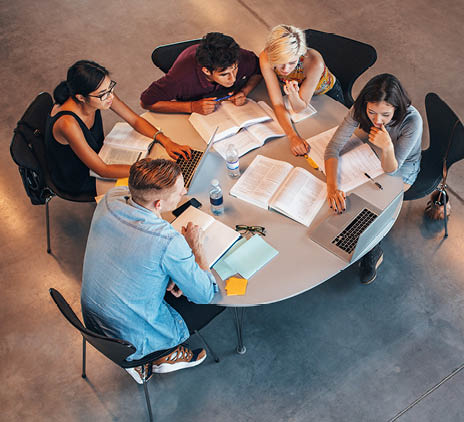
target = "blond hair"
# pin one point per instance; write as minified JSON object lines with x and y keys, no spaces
{"x":148,"y":177}
{"x":284,"y":43}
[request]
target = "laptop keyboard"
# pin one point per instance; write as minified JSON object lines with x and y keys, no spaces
{"x":188,"y":167}
{"x":349,"y":237}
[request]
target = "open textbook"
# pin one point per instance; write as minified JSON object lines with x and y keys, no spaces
{"x":253,"y":136}
{"x":296,"y":117}
{"x":356,"y":158}
{"x":123,"y":145}
{"x":229,"y":118}
{"x":218,"y":237}
{"x":292,"y":191}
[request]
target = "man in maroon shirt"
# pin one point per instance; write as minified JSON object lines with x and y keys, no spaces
{"x":202,"y":74}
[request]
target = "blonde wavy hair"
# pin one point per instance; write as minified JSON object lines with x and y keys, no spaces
{"x":284,"y":43}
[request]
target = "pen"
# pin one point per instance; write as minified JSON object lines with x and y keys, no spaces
{"x":223,"y":98}
{"x":138,"y":156}
{"x":311,"y":162}
{"x":376,"y":183}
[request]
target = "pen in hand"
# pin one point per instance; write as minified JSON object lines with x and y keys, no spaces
{"x":223,"y":98}
{"x":376,"y":183}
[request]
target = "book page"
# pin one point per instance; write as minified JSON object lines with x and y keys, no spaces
{"x":124,"y":136}
{"x":297,"y":117}
{"x":318,"y":144}
{"x":194,"y":215}
{"x":243,"y":142}
{"x":300,"y":197}
{"x":261,"y":180}
{"x":266,"y":130}
{"x":353,"y":164}
{"x":246,"y":114}
{"x":205,"y":125}
{"x":113,"y":155}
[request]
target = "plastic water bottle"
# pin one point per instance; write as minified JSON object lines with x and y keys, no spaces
{"x":216,"y":198}
{"x":233,"y":166}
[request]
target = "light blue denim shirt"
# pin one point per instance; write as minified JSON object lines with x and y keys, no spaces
{"x":131,"y":256}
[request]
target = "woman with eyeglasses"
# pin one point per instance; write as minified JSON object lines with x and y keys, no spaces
{"x":287,"y":62}
{"x":74,"y":131}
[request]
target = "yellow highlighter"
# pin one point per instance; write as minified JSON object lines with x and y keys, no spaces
{"x":310,"y":161}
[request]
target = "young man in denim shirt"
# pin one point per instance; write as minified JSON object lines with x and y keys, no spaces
{"x":135,"y":262}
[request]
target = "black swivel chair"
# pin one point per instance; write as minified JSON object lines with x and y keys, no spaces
{"x":114,"y":349}
{"x":347,"y":59}
{"x":164,"y":56}
{"x":446,"y":147}
{"x":28,"y":151}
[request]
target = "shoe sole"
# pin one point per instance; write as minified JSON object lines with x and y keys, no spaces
{"x":134,"y":374}
{"x":375,"y":273}
{"x":164,"y":368}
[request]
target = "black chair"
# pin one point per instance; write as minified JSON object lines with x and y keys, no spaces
{"x":114,"y":349}
{"x":164,"y":56}
{"x":347,"y":59}
{"x":446,"y":147}
{"x":28,"y":152}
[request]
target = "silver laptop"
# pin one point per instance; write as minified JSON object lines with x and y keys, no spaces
{"x":348,"y":234}
{"x":191,"y":167}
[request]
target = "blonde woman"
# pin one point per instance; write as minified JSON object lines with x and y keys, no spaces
{"x":287,"y":62}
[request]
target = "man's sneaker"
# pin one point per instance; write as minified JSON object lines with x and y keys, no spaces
{"x":137,"y":374}
{"x":180,"y":358}
{"x":369,"y":264}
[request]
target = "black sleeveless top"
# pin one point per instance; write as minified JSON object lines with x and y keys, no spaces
{"x":67,"y":171}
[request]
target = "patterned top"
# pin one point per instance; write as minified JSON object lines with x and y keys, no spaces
{"x":324,"y":85}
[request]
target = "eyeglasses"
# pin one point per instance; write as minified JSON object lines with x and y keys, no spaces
{"x":104,"y":96}
{"x":242,"y":229}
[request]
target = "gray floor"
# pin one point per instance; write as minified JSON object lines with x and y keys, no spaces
{"x":341,"y":352}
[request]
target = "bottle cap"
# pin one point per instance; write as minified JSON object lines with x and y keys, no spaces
{"x":215,"y":182}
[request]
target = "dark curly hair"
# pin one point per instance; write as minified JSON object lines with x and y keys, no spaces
{"x":384,"y":87}
{"x":217,"y":51}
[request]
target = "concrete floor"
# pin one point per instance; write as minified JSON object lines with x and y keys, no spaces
{"x":341,"y":352}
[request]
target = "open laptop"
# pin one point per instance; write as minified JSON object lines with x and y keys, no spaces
{"x":191,"y":167}
{"x":348,"y":234}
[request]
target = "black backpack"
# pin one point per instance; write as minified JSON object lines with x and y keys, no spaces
{"x":28,"y":149}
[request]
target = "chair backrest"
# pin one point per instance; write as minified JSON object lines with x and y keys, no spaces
{"x":347,"y":59}
{"x":114,"y":349}
{"x":445,"y":129}
{"x":164,"y":56}
{"x":27,"y":148}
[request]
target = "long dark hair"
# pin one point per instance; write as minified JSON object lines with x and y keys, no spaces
{"x":83,"y":77}
{"x":384,"y":87}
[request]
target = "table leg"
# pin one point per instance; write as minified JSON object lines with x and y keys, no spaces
{"x":238,"y":312}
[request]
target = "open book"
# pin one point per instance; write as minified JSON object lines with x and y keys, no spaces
{"x":356,"y":158}
{"x":229,"y":118}
{"x":292,"y":191}
{"x":123,"y":145}
{"x":253,"y":136}
{"x":296,"y":117}
{"x":218,"y":237}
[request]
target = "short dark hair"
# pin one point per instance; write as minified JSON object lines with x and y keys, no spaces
{"x":384,"y":87}
{"x":148,"y":175}
{"x":217,"y":51}
{"x":83,"y":77}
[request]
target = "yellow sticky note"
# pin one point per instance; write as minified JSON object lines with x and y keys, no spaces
{"x":236,"y":286}
{"x":122,"y":182}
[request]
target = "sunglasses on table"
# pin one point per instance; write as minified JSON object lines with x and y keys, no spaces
{"x":242,"y":229}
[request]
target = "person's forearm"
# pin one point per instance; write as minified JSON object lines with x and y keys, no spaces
{"x":388,"y":161}
{"x":251,"y":84}
{"x":200,"y":258}
{"x":284,"y":119}
{"x":331,"y":171}
{"x":169,"y":106}
{"x":113,"y":171}
{"x":297,"y":103}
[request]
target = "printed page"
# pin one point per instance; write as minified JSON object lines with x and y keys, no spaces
{"x":297,"y":117}
{"x":261,"y":180}
{"x":205,"y":125}
{"x":114,"y":155}
{"x":353,"y":164}
{"x":243,"y":141}
{"x":318,"y":144}
{"x":266,"y":130}
{"x":123,"y":135}
{"x":300,"y":197}
{"x":194,"y":215}
{"x":247,"y":114}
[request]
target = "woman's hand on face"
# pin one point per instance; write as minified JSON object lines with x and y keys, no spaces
{"x":291,"y":87}
{"x":380,"y":137}
{"x":298,"y":145}
{"x":336,"y":199}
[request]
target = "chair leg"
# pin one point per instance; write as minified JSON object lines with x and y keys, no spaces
{"x":47,"y":222}
{"x":147,"y":398}
{"x":208,"y":347}
{"x":241,"y":349}
{"x":84,"y":375}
